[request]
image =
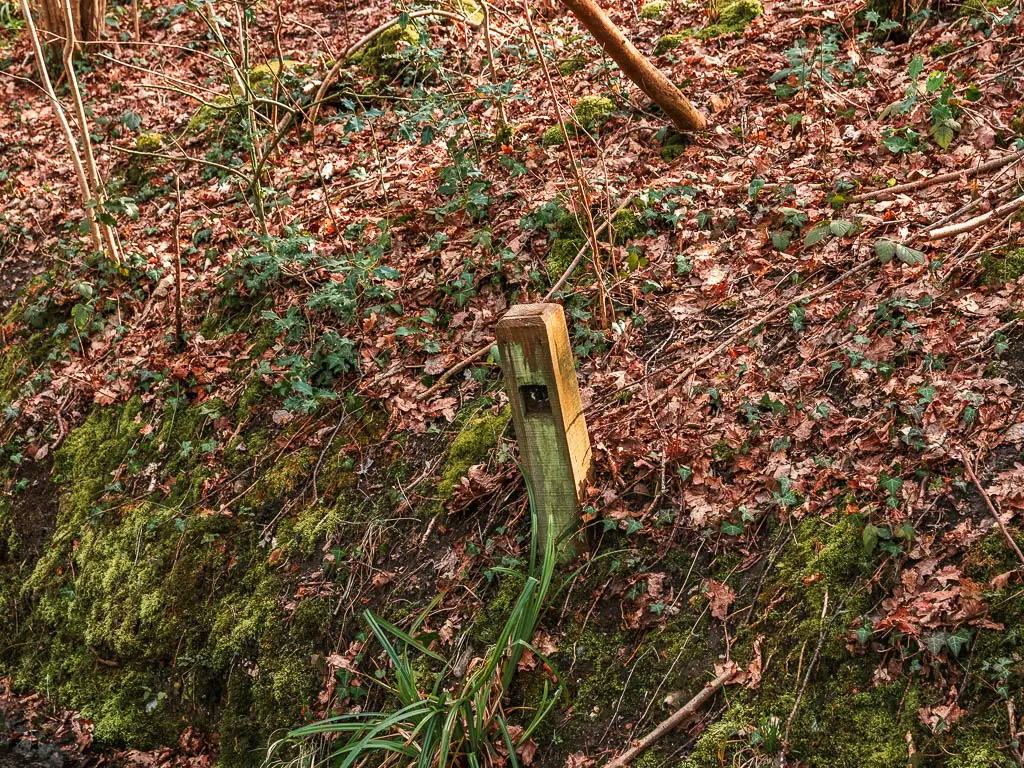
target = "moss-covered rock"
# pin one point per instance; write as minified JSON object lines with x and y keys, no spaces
{"x":590,"y":112}
{"x":673,"y":145}
{"x":593,"y":110}
{"x":734,"y":16}
{"x":670,"y":42}
{"x":213,"y":112}
{"x":386,"y":55}
{"x":654,"y":9}
{"x":560,"y":255}
{"x":553,"y":136}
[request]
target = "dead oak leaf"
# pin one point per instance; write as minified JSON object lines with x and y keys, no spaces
{"x":720,"y":597}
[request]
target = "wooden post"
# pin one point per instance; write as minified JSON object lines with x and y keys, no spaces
{"x":554,"y":445}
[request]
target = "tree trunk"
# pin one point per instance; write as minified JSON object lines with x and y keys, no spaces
{"x":89,"y":16}
{"x":636,"y":66}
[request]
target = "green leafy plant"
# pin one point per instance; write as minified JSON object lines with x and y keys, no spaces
{"x":464,"y":723}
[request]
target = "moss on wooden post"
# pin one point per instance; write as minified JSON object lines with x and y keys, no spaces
{"x":554,"y":445}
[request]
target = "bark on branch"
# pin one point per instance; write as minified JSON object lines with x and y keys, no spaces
{"x":675,"y":718}
{"x":636,"y":66}
{"x":1005,"y":209}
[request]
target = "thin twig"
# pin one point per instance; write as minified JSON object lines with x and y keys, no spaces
{"x":912,"y":186}
{"x":971,"y":224}
{"x":973,"y":477}
{"x":677,"y":717}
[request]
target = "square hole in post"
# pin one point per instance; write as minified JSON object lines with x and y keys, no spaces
{"x":535,"y":399}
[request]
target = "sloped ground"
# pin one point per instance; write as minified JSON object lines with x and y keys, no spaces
{"x":190,"y":533}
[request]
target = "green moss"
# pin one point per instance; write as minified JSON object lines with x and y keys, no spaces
{"x":149,"y":142}
{"x":572,"y":65}
{"x":263,"y":76}
{"x":591,"y":111}
{"x":653,"y":9}
{"x":384,"y":56}
{"x":313,"y":524}
{"x":471,"y":10}
{"x":1002,"y":267}
{"x":13,"y":368}
{"x":978,"y":8}
{"x":734,"y":16}
{"x":941,"y":49}
{"x":626,"y":226}
{"x":670,"y":42}
{"x":561,"y":254}
{"x":673,"y":145}
{"x":212,"y":113}
{"x":284,"y":477}
{"x":553,"y":136}
{"x":472,"y":445}
{"x":492,"y":616}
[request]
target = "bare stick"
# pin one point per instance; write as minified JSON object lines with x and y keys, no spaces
{"x":636,"y":66}
{"x":674,"y":719}
{"x":177,"y":266}
{"x":973,"y":477}
{"x":1005,"y":209}
{"x":576,"y":172}
{"x":69,"y":136}
{"x":942,"y":178}
{"x":83,"y":126}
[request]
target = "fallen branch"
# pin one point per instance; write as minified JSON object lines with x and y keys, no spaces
{"x":636,"y":66}
{"x":942,"y":178}
{"x":675,"y":718}
{"x":1006,"y":209}
{"x":973,"y":477}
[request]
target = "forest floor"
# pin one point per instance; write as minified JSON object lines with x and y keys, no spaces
{"x":806,"y":413}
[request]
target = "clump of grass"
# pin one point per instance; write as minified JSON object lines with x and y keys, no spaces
{"x":464,"y":724}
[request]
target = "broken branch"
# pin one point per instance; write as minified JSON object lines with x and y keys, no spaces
{"x":675,"y":718}
{"x":1006,"y":209}
{"x":912,"y":186}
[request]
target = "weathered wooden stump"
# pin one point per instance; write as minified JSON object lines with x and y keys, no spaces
{"x":554,"y":445}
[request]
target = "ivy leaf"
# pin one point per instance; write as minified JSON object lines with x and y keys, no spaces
{"x":731,"y":529}
{"x":943,"y":134}
{"x":864,"y":633}
{"x":780,"y":240}
{"x":80,"y":314}
{"x":890,"y":485}
{"x":958,"y":640}
{"x":916,"y":67}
